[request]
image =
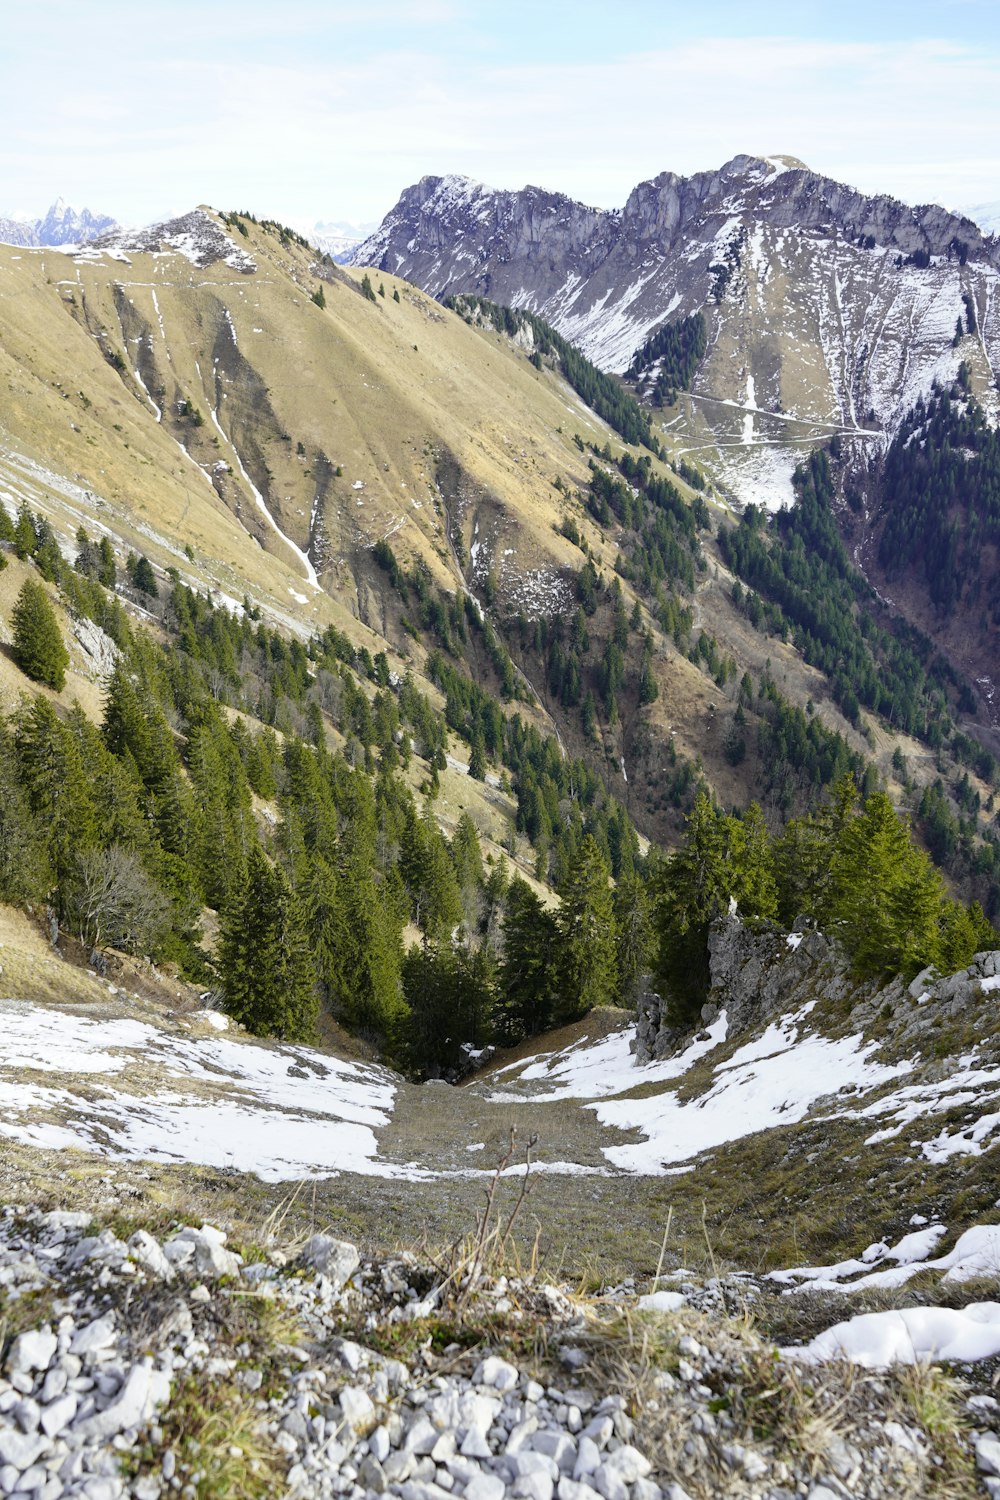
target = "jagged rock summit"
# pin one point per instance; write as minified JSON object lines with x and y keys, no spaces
{"x":61,"y":225}
{"x":825,"y":305}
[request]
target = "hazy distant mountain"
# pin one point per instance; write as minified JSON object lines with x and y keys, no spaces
{"x":61,"y":225}
{"x":986,"y":215}
{"x":336,"y":237}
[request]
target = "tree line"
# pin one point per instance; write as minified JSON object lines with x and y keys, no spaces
{"x":803,"y":587}
{"x":602,"y":393}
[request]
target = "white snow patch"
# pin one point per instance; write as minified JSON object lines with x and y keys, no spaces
{"x":773,"y":1081}
{"x":975,"y":1253}
{"x":591,"y":1070}
{"x":909,"y":1336}
{"x":280,"y":1112}
{"x":664,"y":1302}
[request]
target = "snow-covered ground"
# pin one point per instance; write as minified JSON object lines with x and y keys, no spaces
{"x":197,"y":1091}
{"x":910,"y":1334}
{"x":281,"y":1112}
{"x":287,"y":1112}
{"x":775,"y":1079}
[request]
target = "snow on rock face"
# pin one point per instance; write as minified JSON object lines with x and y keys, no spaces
{"x":197,"y":236}
{"x":818,"y":293}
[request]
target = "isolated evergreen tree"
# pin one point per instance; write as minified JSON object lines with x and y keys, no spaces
{"x":528,"y":965}
{"x":144,"y":578}
{"x":38,"y":645}
{"x":367,"y":289}
{"x":587,"y":961}
{"x":267,"y":975}
{"x":25,"y":537}
{"x":477,"y":758}
{"x":319,"y":297}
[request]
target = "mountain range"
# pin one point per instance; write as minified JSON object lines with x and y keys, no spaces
{"x":61,"y":225}
{"x":829,"y":308}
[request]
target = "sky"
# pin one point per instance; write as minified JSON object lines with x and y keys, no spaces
{"x":315,"y":110}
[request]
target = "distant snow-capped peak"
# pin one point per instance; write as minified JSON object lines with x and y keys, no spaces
{"x":60,"y":225}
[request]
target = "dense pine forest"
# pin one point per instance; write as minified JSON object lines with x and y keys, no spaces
{"x":940,"y":491}
{"x":675,"y":350}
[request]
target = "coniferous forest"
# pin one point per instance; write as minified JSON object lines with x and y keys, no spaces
{"x":258,"y":787}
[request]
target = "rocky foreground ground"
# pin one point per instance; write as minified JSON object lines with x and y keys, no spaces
{"x":151,"y":1366}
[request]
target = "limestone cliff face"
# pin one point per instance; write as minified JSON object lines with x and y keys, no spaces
{"x":758,"y":974}
{"x":815,"y":315}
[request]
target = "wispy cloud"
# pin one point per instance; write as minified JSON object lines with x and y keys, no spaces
{"x":327,"y":110}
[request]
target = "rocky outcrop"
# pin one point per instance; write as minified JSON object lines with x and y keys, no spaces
{"x":758,"y":973}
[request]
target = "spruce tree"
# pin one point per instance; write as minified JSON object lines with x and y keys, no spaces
{"x":25,"y":874}
{"x":587,"y":960}
{"x":25,"y":536}
{"x":631,"y":906}
{"x":527,"y":968}
{"x":722,"y":859}
{"x":55,"y":780}
{"x":38,"y":645}
{"x":887,"y":898}
{"x":267,"y":975}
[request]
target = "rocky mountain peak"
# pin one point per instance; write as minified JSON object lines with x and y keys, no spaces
{"x":61,"y":225}
{"x":825,"y":304}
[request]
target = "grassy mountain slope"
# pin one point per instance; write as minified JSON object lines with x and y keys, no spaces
{"x":150,"y":396}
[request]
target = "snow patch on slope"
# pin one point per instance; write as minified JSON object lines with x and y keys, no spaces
{"x":281,"y":1112}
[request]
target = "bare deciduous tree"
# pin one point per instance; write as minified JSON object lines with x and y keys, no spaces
{"x":113,"y":902}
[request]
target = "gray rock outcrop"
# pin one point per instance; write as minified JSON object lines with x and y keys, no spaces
{"x":764,"y":246}
{"x":758,"y":973}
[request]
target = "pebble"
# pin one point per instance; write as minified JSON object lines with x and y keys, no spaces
{"x":79,"y":1394}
